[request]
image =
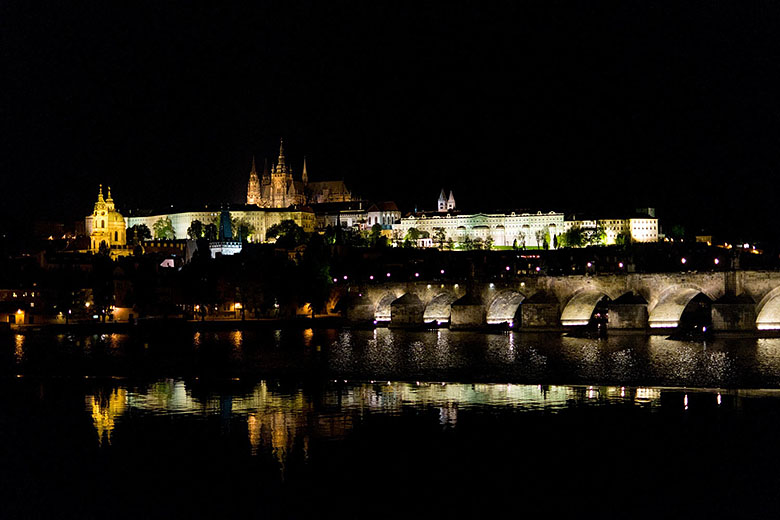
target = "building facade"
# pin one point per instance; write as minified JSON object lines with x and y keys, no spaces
{"x":524,"y":229}
{"x":105,"y":224}
{"x":260,"y":220}
{"x":277,"y":187}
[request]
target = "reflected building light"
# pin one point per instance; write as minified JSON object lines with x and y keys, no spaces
{"x":719,"y":399}
{"x":685,"y":401}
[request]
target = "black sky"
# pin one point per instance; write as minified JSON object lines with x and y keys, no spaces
{"x":524,"y":104}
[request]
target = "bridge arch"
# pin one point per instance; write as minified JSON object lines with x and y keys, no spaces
{"x":439,"y":308}
{"x":382,"y":311}
{"x":504,"y":306}
{"x":768,"y":311}
{"x":671,"y":304}
{"x":580,"y":307}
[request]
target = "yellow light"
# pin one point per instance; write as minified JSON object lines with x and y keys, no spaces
{"x":238,"y":306}
{"x":86,"y":305}
{"x":20,"y":311}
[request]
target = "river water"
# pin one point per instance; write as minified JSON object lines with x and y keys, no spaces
{"x":363,"y":423}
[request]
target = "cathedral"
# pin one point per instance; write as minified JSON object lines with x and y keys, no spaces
{"x":278,"y":189}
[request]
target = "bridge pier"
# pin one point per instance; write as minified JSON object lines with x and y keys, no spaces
{"x":734,"y":313}
{"x":629,"y":312}
{"x":540,"y":311}
{"x":407,"y":311}
{"x":468,"y":312}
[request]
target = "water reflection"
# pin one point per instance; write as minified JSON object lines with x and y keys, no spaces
{"x":279,"y":422}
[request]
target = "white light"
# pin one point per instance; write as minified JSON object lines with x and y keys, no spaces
{"x":538,"y":269}
{"x":345,"y":277}
{"x":590,"y":264}
{"x":371,"y":277}
{"x":717,"y":261}
{"x":429,"y":286}
{"x":507,"y":268}
{"x":416,"y":275}
{"x":456,"y":286}
{"x":388,"y":275}
{"x":442,"y":271}
{"x":335,"y":280}
{"x":683,"y":260}
{"x":620,"y":265}
{"x":492,"y":285}
{"x":719,"y":399}
{"x":685,"y":401}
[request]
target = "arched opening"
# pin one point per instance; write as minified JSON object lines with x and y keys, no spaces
{"x":382,"y":313}
{"x":679,"y":301}
{"x":439,"y":309}
{"x":587,"y":309}
{"x":697,"y":315}
{"x":505,"y":308}
{"x":769,"y":311}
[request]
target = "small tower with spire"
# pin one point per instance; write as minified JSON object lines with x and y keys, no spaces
{"x":442,"y":206}
{"x":305,"y":176}
{"x":451,"y":202}
{"x":253,"y":188}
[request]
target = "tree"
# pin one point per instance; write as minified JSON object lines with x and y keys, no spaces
{"x":103,"y":249}
{"x":439,"y":236}
{"x":138,"y":233}
{"x":574,"y":237}
{"x":195,"y":231}
{"x":411,"y":238}
{"x":449,"y":245}
{"x":287,"y":234}
{"x":163,"y":228}
{"x":210,"y":232}
{"x":539,"y":235}
{"x":489,"y":243}
{"x":242,"y":229}
{"x":376,"y":238}
{"x":596,"y":237}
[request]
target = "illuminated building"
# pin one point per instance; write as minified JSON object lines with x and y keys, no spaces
{"x":259,"y":219}
{"x":277,"y":187}
{"x":105,"y":224}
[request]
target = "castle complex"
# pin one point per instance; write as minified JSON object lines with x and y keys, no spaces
{"x":275,"y":196}
{"x":278,"y":189}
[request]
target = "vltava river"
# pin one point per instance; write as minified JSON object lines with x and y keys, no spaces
{"x":356,"y":424}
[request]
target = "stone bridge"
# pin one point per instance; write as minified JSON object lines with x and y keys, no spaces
{"x":734,"y":300}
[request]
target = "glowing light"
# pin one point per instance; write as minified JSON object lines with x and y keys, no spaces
{"x":442,"y":271}
{"x":717,"y":261}
{"x":538,"y":269}
{"x":19,"y":311}
{"x":456,"y":286}
{"x":590,"y":264}
{"x":492,"y":285}
{"x":371,"y":277}
{"x":388,"y":275}
{"x":507,"y":268}
{"x":685,"y":401}
{"x":620,"y":265}
{"x":345,"y":277}
{"x":416,"y":275}
{"x":683,"y":260}
{"x":86,"y":305}
{"x":335,"y":280}
{"x":719,"y":399}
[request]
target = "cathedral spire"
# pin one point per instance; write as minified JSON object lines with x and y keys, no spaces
{"x":305,"y":176}
{"x":281,"y":152}
{"x":254,"y":169}
{"x":100,"y":193}
{"x":109,"y":199}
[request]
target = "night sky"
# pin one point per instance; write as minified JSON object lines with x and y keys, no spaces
{"x":543,"y":104}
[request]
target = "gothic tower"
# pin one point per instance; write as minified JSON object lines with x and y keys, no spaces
{"x":253,"y":189}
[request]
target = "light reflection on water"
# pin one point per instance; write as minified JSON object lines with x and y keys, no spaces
{"x":280,"y":421}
